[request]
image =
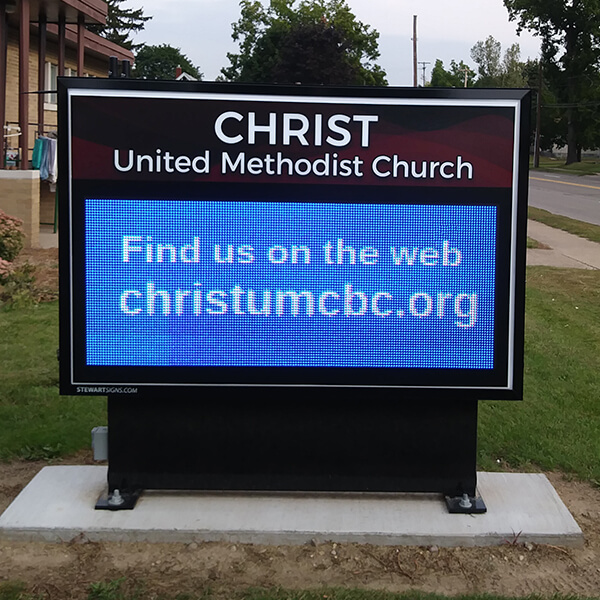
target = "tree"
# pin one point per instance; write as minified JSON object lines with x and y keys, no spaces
{"x":161,"y":62}
{"x":552,"y":123}
{"x":495,"y":71}
{"x":307,"y":41}
{"x":512,"y":68}
{"x":570,"y":34}
{"x":121,"y":23}
{"x":455,"y":77}
{"x":487,"y":57}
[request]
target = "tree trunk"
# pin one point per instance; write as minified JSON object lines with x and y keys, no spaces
{"x":572,"y":96}
{"x":571,"y":138}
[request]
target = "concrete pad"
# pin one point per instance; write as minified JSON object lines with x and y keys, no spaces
{"x":58,"y":505}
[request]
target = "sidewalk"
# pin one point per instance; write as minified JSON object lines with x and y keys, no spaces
{"x":566,"y":250}
{"x":48,"y":239}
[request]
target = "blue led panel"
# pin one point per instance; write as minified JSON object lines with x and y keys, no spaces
{"x":213,"y":283}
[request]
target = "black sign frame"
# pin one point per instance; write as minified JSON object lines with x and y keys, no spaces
{"x":76,"y":377}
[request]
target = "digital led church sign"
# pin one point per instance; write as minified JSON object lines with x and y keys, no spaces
{"x":233,"y":236}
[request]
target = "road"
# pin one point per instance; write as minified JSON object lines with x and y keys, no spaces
{"x":567,"y":195}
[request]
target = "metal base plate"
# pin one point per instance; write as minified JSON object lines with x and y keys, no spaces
{"x":457,"y":505}
{"x":126,"y":500}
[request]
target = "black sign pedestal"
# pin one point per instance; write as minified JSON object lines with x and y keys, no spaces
{"x":292,"y":439}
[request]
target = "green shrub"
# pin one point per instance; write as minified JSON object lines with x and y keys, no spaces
{"x":17,"y":286}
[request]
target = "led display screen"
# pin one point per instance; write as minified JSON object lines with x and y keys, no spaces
{"x":289,"y":284}
{"x":361,"y":242}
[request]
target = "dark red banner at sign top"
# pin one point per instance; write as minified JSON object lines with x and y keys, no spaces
{"x":164,"y":139}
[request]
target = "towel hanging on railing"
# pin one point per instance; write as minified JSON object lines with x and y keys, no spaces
{"x":44,"y":158}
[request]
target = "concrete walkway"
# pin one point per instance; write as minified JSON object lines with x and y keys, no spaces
{"x":566,"y":250}
{"x":48,"y":239}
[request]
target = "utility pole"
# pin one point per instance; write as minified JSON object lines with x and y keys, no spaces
{"x":465,"y":70}
{"x":421,"y":62}
{"x":538,"y":117}
{"x":414,"y":50}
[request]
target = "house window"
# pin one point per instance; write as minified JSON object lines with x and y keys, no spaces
{"x":50,"y":99}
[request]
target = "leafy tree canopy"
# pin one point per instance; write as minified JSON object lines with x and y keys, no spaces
{"x":161,"y":62}
{"x":513,"y":68}
{"x":570,"y":35}
{"x":569,"y":29}
{"x":487,"y":56}
{"x":121,"y":23}
{"x":307,"y":41}
{"x":495,"y":71}
{"x":454,"y":77}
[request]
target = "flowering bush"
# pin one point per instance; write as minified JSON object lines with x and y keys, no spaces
{"x":16,"y":282}
{"x":11,"y":236}
{"x":6,"y":268}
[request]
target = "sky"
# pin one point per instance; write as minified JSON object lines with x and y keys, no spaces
{"x":446,"y":29}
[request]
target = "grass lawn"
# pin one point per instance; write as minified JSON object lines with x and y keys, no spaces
{"x":121,"y":590}
{"x":558,"y":424}
{"x":581,"y":228}
{"x":37,"y":423}
{"x":556,"y":427}
{"x":588,"y":166}
{"x":531,"y":243}
{"x":354,"y":594}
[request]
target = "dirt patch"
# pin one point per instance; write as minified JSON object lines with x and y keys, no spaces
{"x":64,"y":571}
{"x":45,"y":263}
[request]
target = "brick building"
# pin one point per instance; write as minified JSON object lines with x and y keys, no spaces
{"x":40,"y":40}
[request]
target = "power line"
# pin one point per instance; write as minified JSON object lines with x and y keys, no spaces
{"x":571,"y":104}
